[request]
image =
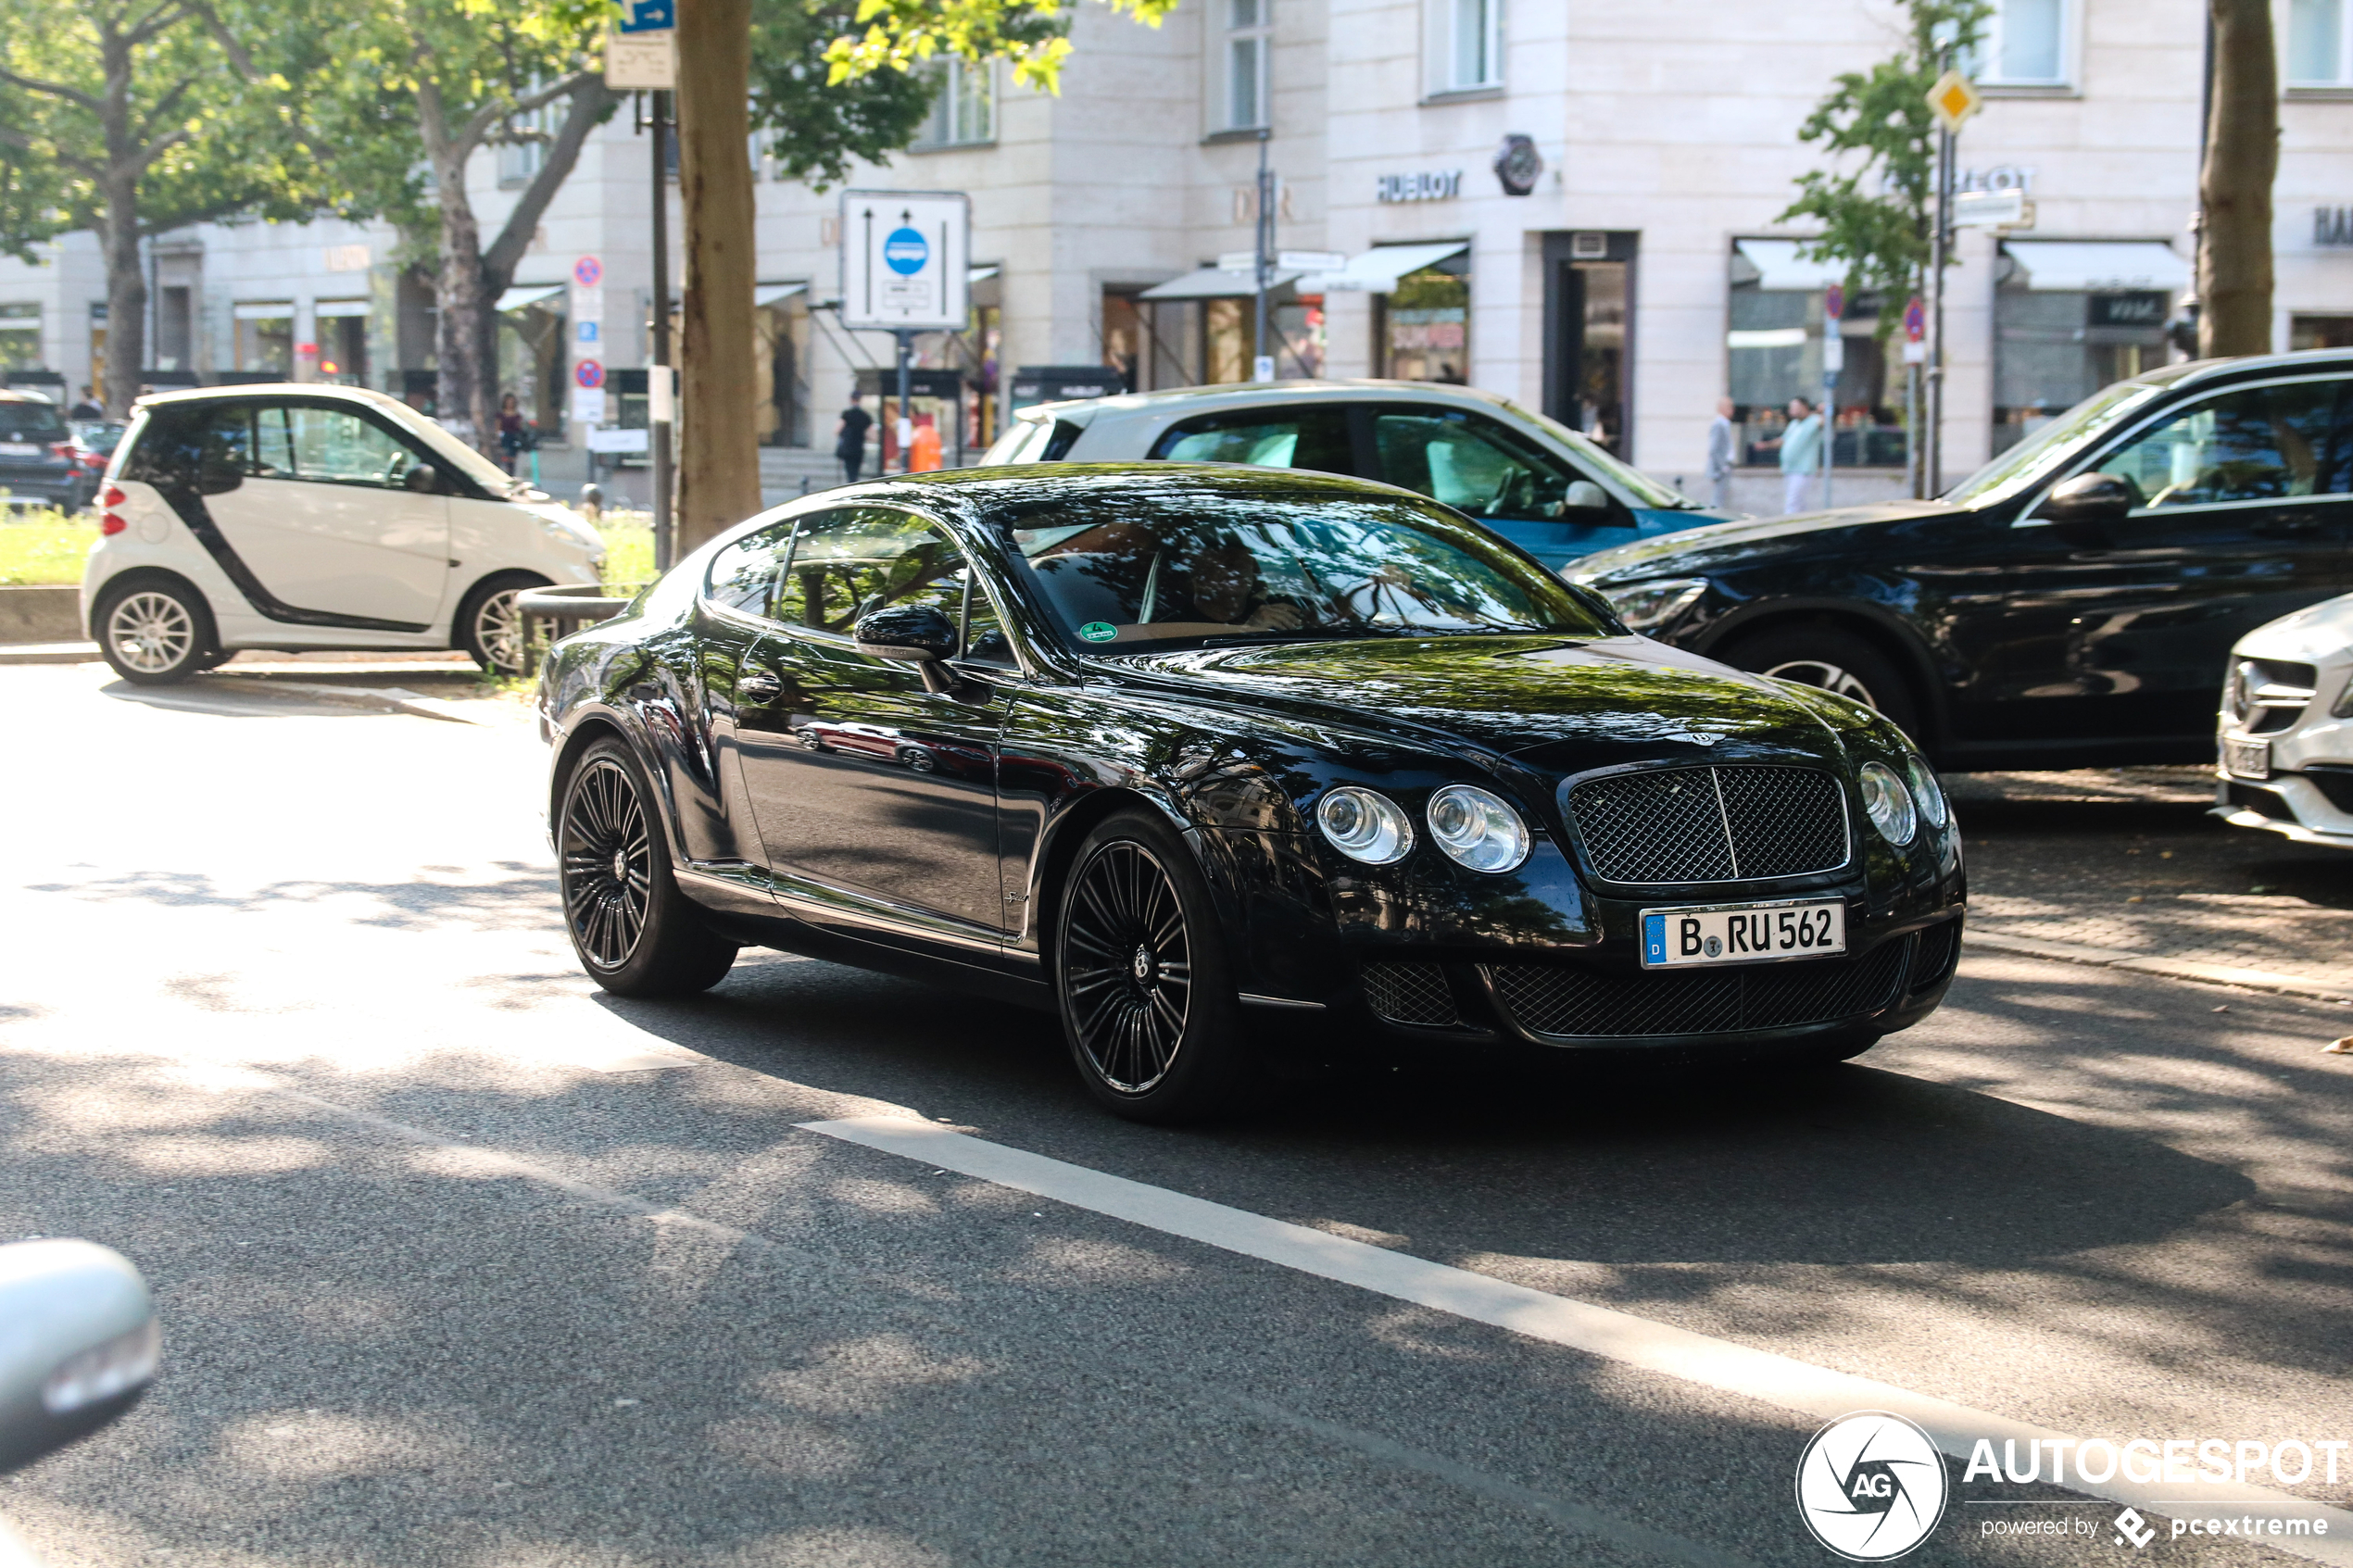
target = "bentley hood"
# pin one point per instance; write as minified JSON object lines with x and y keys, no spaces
{"x":1546,"y":702}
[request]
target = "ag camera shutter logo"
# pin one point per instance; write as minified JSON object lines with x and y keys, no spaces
{"x":1871,"y":1486}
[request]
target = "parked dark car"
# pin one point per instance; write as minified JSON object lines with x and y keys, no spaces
{"x":36,"y":453}
{"x":2072,"y":604}
{"x":1226,"y":762}
{"x":94,"y":444}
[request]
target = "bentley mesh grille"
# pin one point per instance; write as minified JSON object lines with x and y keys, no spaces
{"x":1573,"y":1003}
{"x":1410,"y":993}
{"x":1738,"y":823}
{"x":1932,"y":960}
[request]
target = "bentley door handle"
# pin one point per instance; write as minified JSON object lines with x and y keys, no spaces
{"x":757,"y":687}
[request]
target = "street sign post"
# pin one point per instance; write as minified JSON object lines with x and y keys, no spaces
{"x":1833,"y":361}
{"x":906,"y":267}
{"x":1953,"y":100}
{"x":1992,"y":210}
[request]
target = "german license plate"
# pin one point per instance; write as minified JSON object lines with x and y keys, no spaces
{"x":1698,"y":935}
{"x":2246,"y":759}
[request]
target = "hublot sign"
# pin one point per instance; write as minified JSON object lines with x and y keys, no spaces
{"x":2333,"y":225}
{"x":1438,"y":187}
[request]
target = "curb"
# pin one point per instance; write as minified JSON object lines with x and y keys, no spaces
{"x":382,"y":699}
{"x":49,"y":653}
{"x":2171,"y":969}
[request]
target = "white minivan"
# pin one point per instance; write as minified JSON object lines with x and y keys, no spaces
{"x":301,"y":516}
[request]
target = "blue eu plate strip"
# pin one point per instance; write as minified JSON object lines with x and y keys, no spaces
{"x":1653,"y":938}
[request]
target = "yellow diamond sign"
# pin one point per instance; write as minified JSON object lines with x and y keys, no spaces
{"x":1953,"y":99}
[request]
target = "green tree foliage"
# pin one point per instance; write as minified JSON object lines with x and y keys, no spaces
{"x":1876,"y":203}
{"x":819,"y":124}
{"x":131,"y":117}
{"x":1032,"y":33}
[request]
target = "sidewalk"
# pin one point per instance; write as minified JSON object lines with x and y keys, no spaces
{"x":2121,"y":867}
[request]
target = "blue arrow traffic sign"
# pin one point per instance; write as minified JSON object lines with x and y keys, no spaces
{"x":651,"y":16}
{"x":905,"y":251}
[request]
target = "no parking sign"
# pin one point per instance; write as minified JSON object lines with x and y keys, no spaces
{"x":588,"y":373}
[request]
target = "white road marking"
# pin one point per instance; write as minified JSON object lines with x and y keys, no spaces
{"x":1619,"y":1337}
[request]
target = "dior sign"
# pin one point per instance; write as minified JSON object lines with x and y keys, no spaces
{"x":1438,"y":187}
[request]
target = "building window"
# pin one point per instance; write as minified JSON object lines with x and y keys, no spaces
{"x":1469,"y":38}
{"x":1248,"y":24}
{"x":1421,"y":330}
{"x":533,"y":363}
{"x":520,"y":157}
{"x":265,"y":339}
{"x":19,"y":335}
{"x":964,"y":105}
{"x":1773,"y":349}
{"x":2027,"y":43}
{"x":2315,"y":45}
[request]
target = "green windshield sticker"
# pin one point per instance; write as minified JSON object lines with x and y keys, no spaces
{"x":1099,"y":631}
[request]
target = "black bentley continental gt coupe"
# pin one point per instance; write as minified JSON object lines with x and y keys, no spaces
{"x":1216,"y":763}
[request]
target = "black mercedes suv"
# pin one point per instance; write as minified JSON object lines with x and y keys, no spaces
{"x":2072,"y":604}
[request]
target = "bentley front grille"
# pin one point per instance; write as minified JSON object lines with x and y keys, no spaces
{"x":1410,"y":993}
{"x":1738,"y":823}
{"x":1562,"y":1002}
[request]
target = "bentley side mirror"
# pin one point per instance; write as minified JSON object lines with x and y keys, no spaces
{"x":79,"y":1344}
{"x":2085,"y":507}
{"x":917,"y":634}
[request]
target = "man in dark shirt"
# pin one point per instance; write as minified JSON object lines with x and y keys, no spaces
{"x":849,"y":440}
{"x":88,"y":408}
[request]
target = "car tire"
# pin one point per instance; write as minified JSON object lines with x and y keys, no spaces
{"x":1141,"y":979}
{"x":636,"y":932}
{"x":1834,"y":660}
{"x":486,"y":627}
{"x":153,"y":630}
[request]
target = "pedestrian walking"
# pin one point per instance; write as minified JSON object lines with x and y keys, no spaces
{"x":849,"y":438}
{"x":514,"y":435}
{"x":1723,"y":450}
{"x":1801,"y":454}
{"x":89,"y":408}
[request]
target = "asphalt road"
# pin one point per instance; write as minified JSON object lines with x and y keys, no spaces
{"x":463,"y":1262}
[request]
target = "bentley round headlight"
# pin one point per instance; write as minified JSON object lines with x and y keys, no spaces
{"x":1888,"y":803}
{"x":1366,"y":826}
{"x":1928,"y":792}
{"x":1476,"y":829}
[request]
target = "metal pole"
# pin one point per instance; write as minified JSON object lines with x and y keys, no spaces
{"x":658,"y":434}
{"x":1940,"y":250}
{"x":1830,"y":426}
{"x":905,"y":421}
{"x":1260,"y":360}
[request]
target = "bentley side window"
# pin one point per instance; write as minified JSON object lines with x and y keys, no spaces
{"x":2256,"y":443}
{"x":742,"y":576}
{"x":850,"y":563}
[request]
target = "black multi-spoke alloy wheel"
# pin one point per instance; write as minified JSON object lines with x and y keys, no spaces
{"x":1833,"y":658}
{"x":636,"y":934}
{"x":1140,"y":968}
{"x":487,"y":626}
{"x":154,"y":630}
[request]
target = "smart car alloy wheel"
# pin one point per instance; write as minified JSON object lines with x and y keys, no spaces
{"x":151,"y":631}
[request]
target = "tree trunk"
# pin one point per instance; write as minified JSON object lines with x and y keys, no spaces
{"x":118,"y":232}
{"x":2235,"y":187}
{"x":463,"y":385}
{"x":126,"y":297}
{"x":719,"y":453}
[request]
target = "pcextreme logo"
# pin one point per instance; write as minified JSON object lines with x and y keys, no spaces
{"x":1870,"y":1485}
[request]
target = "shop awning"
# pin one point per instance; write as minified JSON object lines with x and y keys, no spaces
{"x":773,"y":293}
{"x":2089,"y":266}
{"x":1780,"y":269}
{"x":980,"y":274}
{"x":1378,"y":270}
{"x":340,"y":308}
{"x":528,"y":293}
{"x":260,"y":310}
{"x":1211,"y":283}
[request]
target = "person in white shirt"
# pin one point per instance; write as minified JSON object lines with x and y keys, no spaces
{"x":1801,"y":454}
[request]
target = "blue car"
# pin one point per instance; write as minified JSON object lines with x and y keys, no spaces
{"x":1548,"y":489}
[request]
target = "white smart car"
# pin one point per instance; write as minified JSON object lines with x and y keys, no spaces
{"x":2286,"y":738}
{"x":298,"y":516}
